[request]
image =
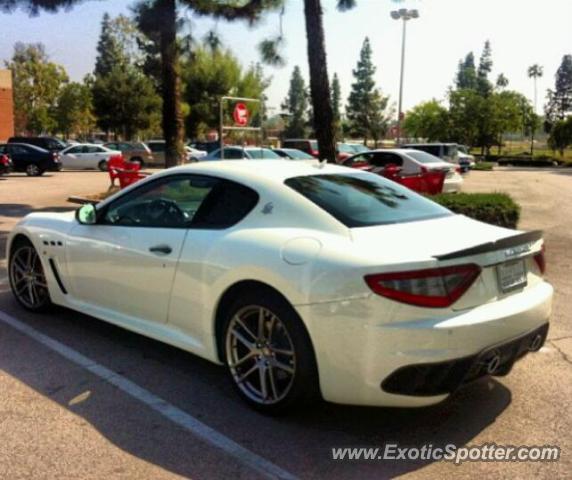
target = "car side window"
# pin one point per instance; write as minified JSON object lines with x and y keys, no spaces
{"x":382,"y":159}
{"x":18,"y":149}
{"x":74,"y":150}
{"x":362,"y":159}
{"x":168,"y":203}
{"x":233,"y":154}
{"x":157,"y":147}
{"x":226,"y":205}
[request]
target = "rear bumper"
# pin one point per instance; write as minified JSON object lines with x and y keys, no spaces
{"x":362,"y":342}
{"x":445,"y":377}
{"x":453,"y":185}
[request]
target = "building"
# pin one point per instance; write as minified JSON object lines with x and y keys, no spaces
{"x":6,"y":105}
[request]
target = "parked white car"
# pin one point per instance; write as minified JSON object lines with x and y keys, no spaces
{"x":303,"y":279}
{"x":86,"y":156}
{"x":411,"y":162}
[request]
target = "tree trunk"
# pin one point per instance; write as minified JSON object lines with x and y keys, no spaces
{"x":319,"y":82}
{"x":173,"y":129}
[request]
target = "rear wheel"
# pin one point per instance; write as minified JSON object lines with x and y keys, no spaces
{"x":268,"y":353}
{"x":27,"y":279}
{"x":32,"y":170}
{"x":102,"y":165}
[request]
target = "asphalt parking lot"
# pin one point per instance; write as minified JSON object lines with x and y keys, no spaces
{"x":84,"y":399}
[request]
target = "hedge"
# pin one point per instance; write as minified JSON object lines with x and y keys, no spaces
{"x":486,"y":166}
{"x":496,"y":208}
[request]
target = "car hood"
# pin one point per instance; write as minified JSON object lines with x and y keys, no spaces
{"x":424,"y":240}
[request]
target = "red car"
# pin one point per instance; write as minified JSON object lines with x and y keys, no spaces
{"x":425,"y":181}
{"x":5,"y":164}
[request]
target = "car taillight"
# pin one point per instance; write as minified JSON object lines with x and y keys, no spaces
{"x":424,"y":170}
{"x":315,"y":153}
{"x":433,"y":287}
{"x":4,"y":160}
{"x":540,"y":260}
{"x":458,"y":169}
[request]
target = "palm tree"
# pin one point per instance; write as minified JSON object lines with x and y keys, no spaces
{"x":535,"y":72}
{"x":319,"y":81}
{"x":164,"y":25}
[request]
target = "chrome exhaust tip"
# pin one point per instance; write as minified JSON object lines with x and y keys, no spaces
{"x":536,"y":343}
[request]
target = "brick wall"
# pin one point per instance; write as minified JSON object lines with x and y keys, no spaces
{"x":6,"y":105}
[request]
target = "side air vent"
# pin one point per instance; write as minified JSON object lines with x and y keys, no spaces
{"x":57,"y":276}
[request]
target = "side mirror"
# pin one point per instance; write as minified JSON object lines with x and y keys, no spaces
{"x":87,"y":214}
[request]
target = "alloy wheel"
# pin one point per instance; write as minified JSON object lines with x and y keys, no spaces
{"x":28,"y":279}
{"x":260,"y":355}
{"x":32,"y":170}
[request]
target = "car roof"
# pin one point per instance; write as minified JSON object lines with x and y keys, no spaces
{"x":259,"y":171}
{"x":33,"y":147}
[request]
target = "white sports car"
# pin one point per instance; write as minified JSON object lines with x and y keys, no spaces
{"x":303,"y":279}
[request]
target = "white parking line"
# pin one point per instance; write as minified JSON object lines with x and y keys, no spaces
{"x":176,"y":415}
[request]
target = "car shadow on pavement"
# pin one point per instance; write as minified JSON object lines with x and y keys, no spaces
{"x":300,"y":442}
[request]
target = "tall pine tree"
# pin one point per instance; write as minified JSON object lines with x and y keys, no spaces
{"x":296,"y":103}
{"x":337,"y":106}
{"x":467,"y":73}
{"x":109,"y":50}
{"x":559,"y":104}
{"x":484,"y":85}
{"x":366,"y":105}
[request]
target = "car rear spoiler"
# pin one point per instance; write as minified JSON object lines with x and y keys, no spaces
{"x":503,"y":243}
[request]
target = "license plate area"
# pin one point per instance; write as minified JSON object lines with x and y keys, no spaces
{"x":512,"y":275}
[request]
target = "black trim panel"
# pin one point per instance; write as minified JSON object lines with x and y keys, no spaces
{"x":507,"y":242}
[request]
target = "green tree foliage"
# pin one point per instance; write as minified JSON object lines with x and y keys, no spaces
{"x":109,"y":49}
{"x":119,"y":109}
{"x":560,"y":99}
{"x":484,"y":85}
{"x":561,"y":135}
{"x":467,"y":73}
{"x":74,"y":113}
{"x":212,"y":74}
{"x":296,"y":104}
{"x":366,"y":104}
{"x":428,"y":120}
{"x":502,"y":81}
{"x":37,"y":85}
{"x":116,"y":79}
{"x":466,"y":112}
{"x":337,"y":106}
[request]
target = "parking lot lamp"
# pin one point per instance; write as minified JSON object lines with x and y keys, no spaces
{"x":405,"y":15}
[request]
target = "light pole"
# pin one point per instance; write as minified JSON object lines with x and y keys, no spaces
{"x":405,"y":15}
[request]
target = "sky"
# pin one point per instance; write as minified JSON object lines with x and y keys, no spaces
{"x":521,"y":32}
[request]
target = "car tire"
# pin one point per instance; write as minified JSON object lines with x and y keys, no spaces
{"x":32,"y":170}
{"x":283,"y":372}
{"x":102,"y":166}
{"x":27,"y":280}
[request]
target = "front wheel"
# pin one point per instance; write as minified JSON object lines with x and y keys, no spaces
{"x":102,"y":165}
{"x":27,"y":279}
{"x":268,"y":353}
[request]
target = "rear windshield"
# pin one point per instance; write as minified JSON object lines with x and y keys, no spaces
{"x":423,"y":157}
{"x":262,"y":154}
{"x":363,"y":199}
{"x":299,"y":155}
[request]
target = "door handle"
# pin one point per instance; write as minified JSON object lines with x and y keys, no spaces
{"x":161,"y":249}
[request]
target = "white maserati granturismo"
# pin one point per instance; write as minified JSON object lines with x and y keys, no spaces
{"x":302,"y":279}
